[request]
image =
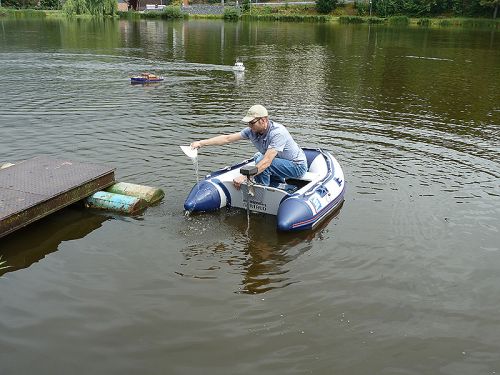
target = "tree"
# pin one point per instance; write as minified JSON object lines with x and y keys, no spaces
{"x":491,"y":3}
{"x":245,"y":6}
{"x":50,"y":4}
{"x":325,"y":6}
{"x":94,"y":7}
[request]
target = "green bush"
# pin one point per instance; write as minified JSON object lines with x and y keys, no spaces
{"x":445,"y":23}
{"x":110,"y":7}
{"x":266,"y":9}
{"x":426,"y":8}
{"x":171,"y":12}
{"x":286,"y":17}
{"x":94,"y":7}
{"x":362,"y":7}
{"x":29,"y":13}
{"x":399,"y":20}
{"x":129,"y":14}
{"x":102,"y":7}
{"x":20,"y":4}
{"x":50,"y":4}
{"x":72,"y":7}
{"x":152,"y":14}
{"x":245,"y":6}
{"x":351,"y":19}
{"x":424,"y":22}
{"x":22,"y":13}
{"x":231,"y":14}
{"x":373,"y":20}
{"x":325,"y":6}
{"x":480,"y":23}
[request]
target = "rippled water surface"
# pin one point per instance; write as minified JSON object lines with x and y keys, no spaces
{"x":403,"y":280}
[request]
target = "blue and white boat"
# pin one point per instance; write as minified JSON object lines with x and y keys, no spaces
{"x":298,"y":204}
{"x":146,"y":78}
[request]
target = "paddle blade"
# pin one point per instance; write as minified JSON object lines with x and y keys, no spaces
{"x":190,"y":152}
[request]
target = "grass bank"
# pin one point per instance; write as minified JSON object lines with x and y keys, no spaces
{"x":285,"y":13}
{"x":36,"y":13}
{"x":425,"y":22}
{"x":26,"y":13}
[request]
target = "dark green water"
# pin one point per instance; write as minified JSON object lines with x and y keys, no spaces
{"x":404,"y":280}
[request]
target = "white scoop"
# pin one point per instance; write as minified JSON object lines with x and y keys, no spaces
{"x":190,"y":152}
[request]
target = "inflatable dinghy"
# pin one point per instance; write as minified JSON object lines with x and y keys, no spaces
{"x":298,"y":204}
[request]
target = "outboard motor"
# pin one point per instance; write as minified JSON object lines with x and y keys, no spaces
{"x":249,"y":171}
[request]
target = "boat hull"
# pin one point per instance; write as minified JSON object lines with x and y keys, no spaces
{"x":301,"y":204}
{"x":144,"y":80}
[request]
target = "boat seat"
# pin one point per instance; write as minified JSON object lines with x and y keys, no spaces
{"x":304,"y":180}
{"x":309,"y":176}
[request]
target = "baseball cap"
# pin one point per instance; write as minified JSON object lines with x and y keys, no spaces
{"x":255,"y":111}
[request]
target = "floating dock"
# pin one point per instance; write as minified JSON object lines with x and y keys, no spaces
{"x":35,"y":188}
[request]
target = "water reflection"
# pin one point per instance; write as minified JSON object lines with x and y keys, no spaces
{"x":145,"y":84}
{"x":239,"y":78}
{"x":32,"y":243}
{"x":257,"y":252}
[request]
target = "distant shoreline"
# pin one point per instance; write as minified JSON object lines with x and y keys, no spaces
{"x":434,"y":22}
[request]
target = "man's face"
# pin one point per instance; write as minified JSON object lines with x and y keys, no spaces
{"x":258,"y":125}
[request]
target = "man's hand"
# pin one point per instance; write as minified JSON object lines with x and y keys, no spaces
{"x":196,"y":144}
{"x":237,"y":181}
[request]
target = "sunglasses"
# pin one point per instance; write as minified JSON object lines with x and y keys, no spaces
{"x":252,"y":123}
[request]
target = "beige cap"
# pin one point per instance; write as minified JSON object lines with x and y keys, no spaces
{"x":255,"y":111}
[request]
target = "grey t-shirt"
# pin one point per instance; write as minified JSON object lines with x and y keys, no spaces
{"x":278,"y":138}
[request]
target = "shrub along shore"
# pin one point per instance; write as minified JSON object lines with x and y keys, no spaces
{"x":286,"y":13}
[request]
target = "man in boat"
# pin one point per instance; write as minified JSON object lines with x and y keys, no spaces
{"x":278,"y":155}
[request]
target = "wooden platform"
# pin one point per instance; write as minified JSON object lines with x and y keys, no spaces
{"x":40,"y":186}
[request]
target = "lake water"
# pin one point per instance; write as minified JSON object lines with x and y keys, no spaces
{"x":405,"y":279}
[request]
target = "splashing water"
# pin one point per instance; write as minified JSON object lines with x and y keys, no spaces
{"x":195,"y":166}
{"x":196,"y":172}
{"x":192,"y":153}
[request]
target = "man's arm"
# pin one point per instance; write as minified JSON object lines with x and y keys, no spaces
{"x":266,"y":160}
{"x":261,"y":166}
{"x":218,"y":140}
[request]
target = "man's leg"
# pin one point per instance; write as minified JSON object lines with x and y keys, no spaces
{"x":279,"y":169}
